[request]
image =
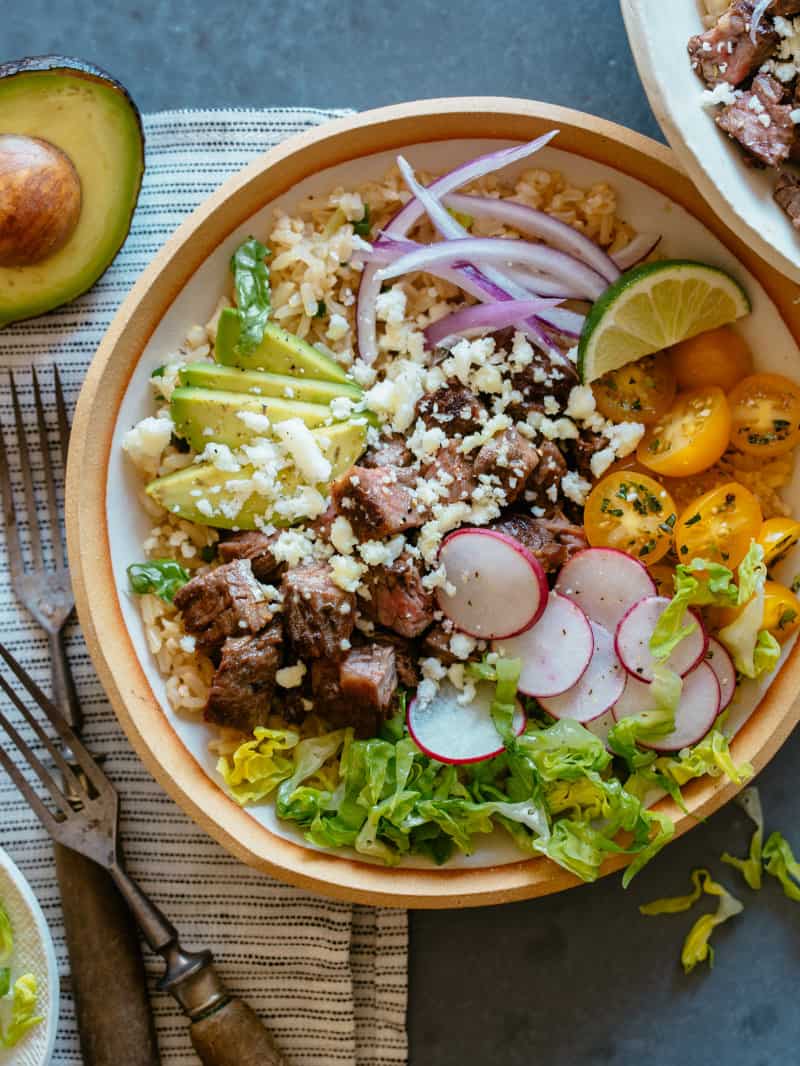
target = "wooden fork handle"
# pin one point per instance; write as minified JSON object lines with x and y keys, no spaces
{"x":234,"y":1035}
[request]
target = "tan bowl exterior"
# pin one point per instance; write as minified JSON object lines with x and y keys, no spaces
{"x":97,"y":598}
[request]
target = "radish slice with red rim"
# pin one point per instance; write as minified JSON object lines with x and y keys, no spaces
{"x":500,"y":586}
{"x":602,"y":726}
{"x":452,"y":732}
{"x":555,"y":652}
{"x":632,"y":641}
{"x":696,"y":713}
{"x":598,"y":689}
{"x":719,"y":660}
{"x":605,"y":583}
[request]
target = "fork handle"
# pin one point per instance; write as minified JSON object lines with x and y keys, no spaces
{"x":234,"y":1035}
{"x":64,"y":695}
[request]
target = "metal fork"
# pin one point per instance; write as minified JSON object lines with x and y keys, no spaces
{"x":224,"y":1030}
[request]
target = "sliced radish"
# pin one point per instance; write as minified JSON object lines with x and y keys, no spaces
{"x":721,"y":663}
{"x":598,"y":689}
{"x":604,"y":582}
{"x":500,"y":586}
{"x":602,"y":726}
{"x":632,"y":641}
{"x":451,"y":732}
{"x":698,"y":708}
{"x":554,"y":652}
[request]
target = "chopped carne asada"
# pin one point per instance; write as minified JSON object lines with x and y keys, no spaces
{"x":375,"y":504}
{"x":391,"y":451}
{"x":258,"y":548}
{"x":453,"y":408}
{"x":226,"y":602}
{"x":453,"y":473}
{"x":511,"y":459}
{"x":726,"y":52}
{"x":552,"y":540}
{"x":318,"y":615}
{"x":244,"y":682}
{"x":359,"y":690}
{"x":396,"y":598}
{"x":770,"y":141}
{"x":787,"y":193}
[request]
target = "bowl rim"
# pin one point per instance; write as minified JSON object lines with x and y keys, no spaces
{"x":97,"y":597}
{"x":696,"y":164}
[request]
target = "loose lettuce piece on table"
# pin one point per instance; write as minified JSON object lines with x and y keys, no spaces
{"x":258,"y":766}
{"x":161,"y":577}
{"x":251,"y":284}
{"x":750,"y":867}
{"x":779,"y":861}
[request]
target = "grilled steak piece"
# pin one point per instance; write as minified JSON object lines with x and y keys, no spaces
{"x":542,"y":377}
{"x":784,"y":8}
{"x":368,"y":680}
{"x":405,"y":659}
{"x":257,"y":547}
{"x":436,"y":642}
{"x":726,"y":51}
{"x":357,"y":692}
{"x":242,"y":689}
{"x":787,"y":194}
{"x":545,"y":481}
{"x":510,"y":458}
{"x":318,"y":615}
{"x":391,"y":451}
{"x":454,"y":471}
{"x":552,"y":540}
{"x":398,"y":599}
{"x":760,"y":122}
{"x":375,"y":503}
{"x":584,"y":449}
{"x":226,"y":602}
{"x":454,"y":408}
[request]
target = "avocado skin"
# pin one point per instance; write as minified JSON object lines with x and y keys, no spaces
{"x":279,"y":352}
{"x":79,"y":69}
{"x":195,"y":410}
{"x":233,"y":379}
{"x":344,"y":443}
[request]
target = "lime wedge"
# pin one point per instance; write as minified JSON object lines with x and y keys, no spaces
{"x":653,"y":306}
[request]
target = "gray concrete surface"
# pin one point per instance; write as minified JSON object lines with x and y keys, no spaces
{"x":579,"y":979}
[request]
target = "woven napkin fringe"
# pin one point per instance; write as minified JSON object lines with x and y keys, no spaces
{"x":331,"y":978}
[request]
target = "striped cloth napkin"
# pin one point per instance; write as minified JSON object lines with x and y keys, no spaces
{"x":331,"y":978}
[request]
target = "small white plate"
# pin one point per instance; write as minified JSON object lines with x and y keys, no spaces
{"x":740,"y":195}
{"x":33,"y":953}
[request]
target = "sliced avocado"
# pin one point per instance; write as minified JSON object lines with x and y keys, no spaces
{"x":279,"y":352}
{"x":92,"y":121}
{"x":260,"y":383}
{"x":183,"y":491}
{"x":203,"y":415}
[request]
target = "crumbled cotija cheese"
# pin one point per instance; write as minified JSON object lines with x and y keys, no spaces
{"x":301,"y":445}
{"x":575,"y":487}
{"x":342,"y":536}
{"x":258,"y":423}
{"x":580,"y":404}
{"x":291,"y":676}
{"x":346,"y":572}
{"x":292,"y":547}
{"x":147,"y":440}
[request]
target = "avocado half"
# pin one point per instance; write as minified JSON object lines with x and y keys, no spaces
{"x":93,"y":122}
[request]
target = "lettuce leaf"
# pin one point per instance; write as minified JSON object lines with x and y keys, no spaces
{"x":624,"y":737}
{"x":258,"y":766}
{"x":6,"y":936}
{"x":779,"y":861}
{"x":696,"y":947}
{"x":251,"y":284}
{"x":750,"y":867}
{"x":23,"y":1011}
{"x":710,"y":756}
{"x":161,"y":577}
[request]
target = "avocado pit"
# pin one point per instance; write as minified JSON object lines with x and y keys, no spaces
{"x":40,"y":200}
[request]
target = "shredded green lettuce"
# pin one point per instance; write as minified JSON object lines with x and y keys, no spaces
{"x":6,"y":937}
{"x":251,"y":284}
{"x":23,"y":1010}
{"x":697,"y":947}
{"x":750,"y":867}
{"x":779,"y":861}
{"x":624,"y":737}
{"x":710,"y":756}
{"x":258,"y":766}
{"x":161,"y":577}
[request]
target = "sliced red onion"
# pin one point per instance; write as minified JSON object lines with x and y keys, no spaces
{"x":488,"y":316}
{"x":638,"y":249}
{"x":533,"y":223}
{"x":564,"y":322}
{"x":412,"y":211}
{"x":488,"y":252}
{"x":755,"y":20}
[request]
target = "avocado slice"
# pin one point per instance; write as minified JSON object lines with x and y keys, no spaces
{"x":260,"y":383}
{"x":203,"y":415}
{"x":91,"y":119}
{"x":279,"y":352}
{"x":341,"y":444}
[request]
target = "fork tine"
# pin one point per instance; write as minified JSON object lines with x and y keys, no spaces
{"x":33,"y":760}
{"x":44,"y":444}
{"x":82,"y":756}
{"x":9,"y":515}
{"x":63,"y":420}
{"x":27,"y":479}
{"x":44,"y":814}
{"x":72,"y":780}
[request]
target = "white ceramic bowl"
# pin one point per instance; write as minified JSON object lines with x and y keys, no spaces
{"x":33,"y":953}
{"x":741,"y":195}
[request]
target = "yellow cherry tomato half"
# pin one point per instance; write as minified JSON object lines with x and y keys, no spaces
{"x":718,"y":357}
{"x":765,"y":415}
{"x":776,"y":537}
{"x":781,"y":611}
{"x":630,"y":512}
{"x":719,"y":526}
{"x":690,"y":437}
{"x":638,"y":392}
{"x":664,"y":576}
